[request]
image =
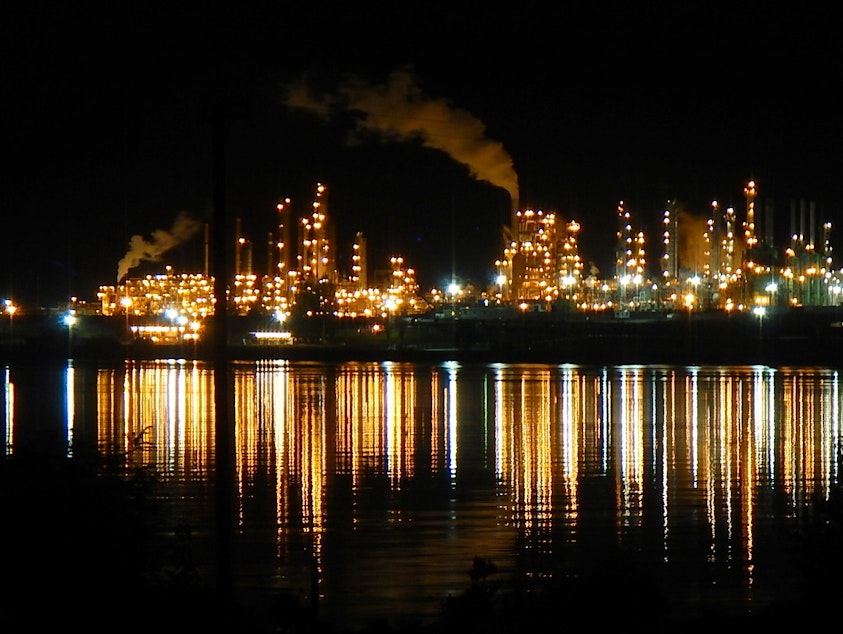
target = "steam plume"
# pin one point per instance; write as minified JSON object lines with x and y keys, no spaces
{"x":399,"y":111}
{"x":140,"y":250}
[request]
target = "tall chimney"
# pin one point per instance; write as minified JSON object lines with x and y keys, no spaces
{"x":768,"y":222}
{"x":802,"y":221}
{"x":207,"y":249}
{"x":271,"y":270}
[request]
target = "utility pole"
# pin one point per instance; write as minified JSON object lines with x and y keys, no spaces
{"x":223,"y":384}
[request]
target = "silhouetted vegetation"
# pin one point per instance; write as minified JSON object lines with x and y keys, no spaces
{"x":87,"y":542}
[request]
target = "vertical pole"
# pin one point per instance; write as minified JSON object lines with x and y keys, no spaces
{"x":223,"y":398}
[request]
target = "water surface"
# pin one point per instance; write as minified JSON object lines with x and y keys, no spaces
{"x":371,"y":487}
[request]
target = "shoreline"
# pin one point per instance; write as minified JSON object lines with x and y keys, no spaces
{"x":793,"y":337}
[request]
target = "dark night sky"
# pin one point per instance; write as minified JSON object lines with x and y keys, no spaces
{"x":106,"y":131}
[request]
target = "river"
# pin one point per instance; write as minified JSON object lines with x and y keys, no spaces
{"x":369,"y":488}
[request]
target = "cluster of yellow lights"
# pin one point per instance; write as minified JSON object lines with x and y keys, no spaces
{"x":168,"y":334}
{"x":541,"y":263}
{"x":190,"y":294}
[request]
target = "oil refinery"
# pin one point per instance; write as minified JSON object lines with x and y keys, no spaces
{"x":728,"y":263}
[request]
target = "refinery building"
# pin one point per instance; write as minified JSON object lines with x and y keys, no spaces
{"x":728,"y":262}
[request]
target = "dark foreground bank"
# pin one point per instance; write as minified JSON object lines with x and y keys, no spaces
{"x":789,"y":337}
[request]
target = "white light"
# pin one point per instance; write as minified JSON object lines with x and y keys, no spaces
{"x":272,"y":335}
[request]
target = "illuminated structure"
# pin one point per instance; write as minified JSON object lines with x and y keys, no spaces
{"x":570,"y":263}
{"x":540,"y":265}
{"x":670,"y":241}
{"x":360,"y":263}
{"x":807,"y":275}
{"x":155,"y":303}
{"x":402,"y":294}
{"x":726,"y":262}
{"x":623,"y":247}
{"x":318,"y":242}
{"x":541,"y":262}
{"x":535,"y":258}
{"x":354,"y":296}
{"x":715,"y":271}
{"x":630,"y":261}
{"x":750,"y":192}
{"x":166,"y":307}
{"x":242,"y":252}
{"x":280,"y":258}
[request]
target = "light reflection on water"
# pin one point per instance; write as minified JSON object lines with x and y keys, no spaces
{"x":390,"y":478}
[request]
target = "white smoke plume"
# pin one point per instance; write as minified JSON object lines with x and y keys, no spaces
{"x":399,"y":111}
{"x":142,"y":250}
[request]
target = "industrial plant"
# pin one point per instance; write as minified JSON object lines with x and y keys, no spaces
{"x":728,"y":263}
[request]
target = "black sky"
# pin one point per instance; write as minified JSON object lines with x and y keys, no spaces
{"x":106,"y":132}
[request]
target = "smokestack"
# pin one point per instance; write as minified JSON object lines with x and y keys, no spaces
{"x":827,"y":239}
{"x":207,"y":250}
{"x":363,"y":262}
{"x":802,"y":221}
{"x":238,"y":247}
{"x":768,"y":222}
{"x":812,"y":223}
{"x":286,"y":237}
{"x":247,"y":258}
